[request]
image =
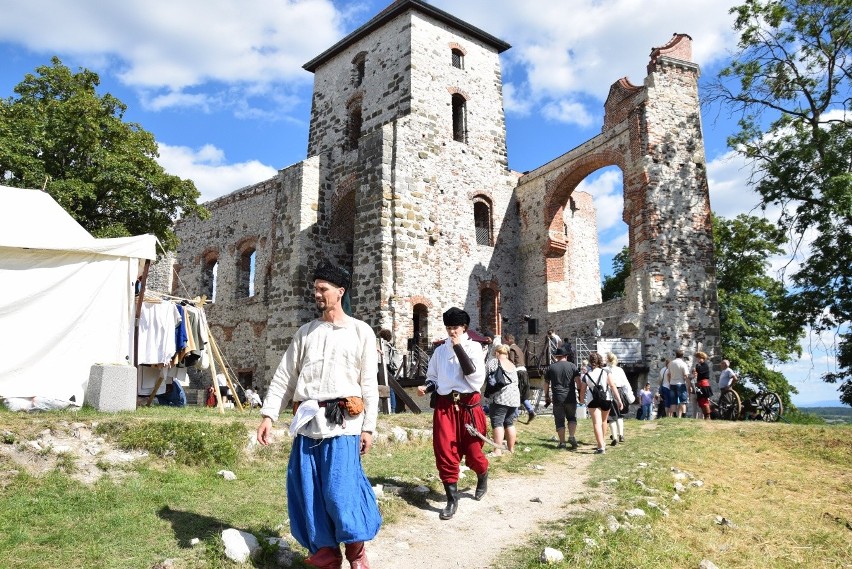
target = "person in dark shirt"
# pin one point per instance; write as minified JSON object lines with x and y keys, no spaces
{"x":561,"y":385}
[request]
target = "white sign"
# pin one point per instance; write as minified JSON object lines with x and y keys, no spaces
{"x":628,"y":350}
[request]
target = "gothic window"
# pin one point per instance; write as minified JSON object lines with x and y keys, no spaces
{"x":245,"y":273}
{"x":482,"y":221}
{"x":459,"y":118}
{"x":353,"y":126}
{"x":488,"y":311}
{"x":458,"y":58}
{"x":209,"y":276}
{"x":358,"y":68}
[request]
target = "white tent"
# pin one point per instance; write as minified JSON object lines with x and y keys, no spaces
{"x":66,"y":298}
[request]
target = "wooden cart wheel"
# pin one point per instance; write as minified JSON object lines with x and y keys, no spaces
{"x":730,"y":405}
{"x":770,"y":407}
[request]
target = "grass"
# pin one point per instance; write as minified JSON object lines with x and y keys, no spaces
{"x":785,"y":489}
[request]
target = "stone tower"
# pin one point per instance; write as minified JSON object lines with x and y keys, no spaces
{"x":407,"y":123}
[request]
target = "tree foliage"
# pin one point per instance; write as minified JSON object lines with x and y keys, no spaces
{"x":58,"y":133}
{"x":790,"y":82}
{"x":754,"y":332}
{"x":613,"y":285}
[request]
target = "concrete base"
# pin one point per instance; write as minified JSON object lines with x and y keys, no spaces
{"x":112,"y":388}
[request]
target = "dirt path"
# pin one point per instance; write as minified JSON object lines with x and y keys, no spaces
{"x":514,"y":507}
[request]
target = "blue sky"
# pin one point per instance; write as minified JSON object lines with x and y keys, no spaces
{"x":221,"y":86}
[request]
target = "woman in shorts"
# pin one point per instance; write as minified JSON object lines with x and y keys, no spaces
{"x":598,"y":375}
{"x":505,"y":402}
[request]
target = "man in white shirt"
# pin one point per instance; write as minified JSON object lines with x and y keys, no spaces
{"x":679,"y":385}
{"x":330,"y":371}
{"x":727,"y":377}
{"x":456,"y":373}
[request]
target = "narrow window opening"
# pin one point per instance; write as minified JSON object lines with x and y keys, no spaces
{"x":245,"y":274}
{"x":353,"y":127}
{"x":209,"y":278}
{"x":458,"y":58}
{"x":459,"y":118}
{"x":482,"y":222}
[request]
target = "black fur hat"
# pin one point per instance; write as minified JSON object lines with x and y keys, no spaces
{"x":456,"y":317}
{"x":337,"y":276}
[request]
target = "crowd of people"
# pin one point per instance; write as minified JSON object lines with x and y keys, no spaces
{"x":330,"y":374}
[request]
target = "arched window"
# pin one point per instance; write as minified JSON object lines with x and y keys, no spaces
{"x":482,"y":221}
{"x":209,"y":276}
{"x":245,"y":273}
{"x":359,"y":63}
{"x":353,"y":126}
{"x":488,"y":311}
{"x":421,"y":325}
{"x":459,"y":118}
{"x":458,"y":58}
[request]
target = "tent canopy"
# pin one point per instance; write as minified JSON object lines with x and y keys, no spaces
{"x":66,"y":298}
{"x":32,"y":219}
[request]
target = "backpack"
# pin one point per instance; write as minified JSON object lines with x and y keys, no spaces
{"x":598,"y":391}
{"x":496,"y":381}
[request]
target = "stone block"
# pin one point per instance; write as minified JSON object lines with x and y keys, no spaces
{"x":112,"y":388}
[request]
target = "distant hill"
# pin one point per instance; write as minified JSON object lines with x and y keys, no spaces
{"x":831,"y":414}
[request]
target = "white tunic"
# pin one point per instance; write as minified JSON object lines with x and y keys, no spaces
{"x":327,"y":361}
{"x":445,"y":370}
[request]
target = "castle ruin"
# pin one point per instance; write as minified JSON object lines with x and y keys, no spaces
{"x":407,"y":184}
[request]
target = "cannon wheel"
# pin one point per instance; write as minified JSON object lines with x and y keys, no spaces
{"x":770,"y":407}
{"x":730,"y":405}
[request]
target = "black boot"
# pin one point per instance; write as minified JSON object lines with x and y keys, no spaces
{"x":481,"y":485}
{"x":452,"y":501}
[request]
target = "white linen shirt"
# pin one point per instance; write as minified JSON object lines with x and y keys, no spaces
{"x":445,"y":370}
{"x":327,"y":361}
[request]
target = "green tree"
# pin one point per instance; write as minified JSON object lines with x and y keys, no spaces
{"x":58,"y":133}
{"x":790,"y":83}
{"x":613,"y":285}
{"x":754,"y":332}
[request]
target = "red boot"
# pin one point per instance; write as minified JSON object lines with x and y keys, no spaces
{"x":326,"y":558}
{"x":357,"y":555}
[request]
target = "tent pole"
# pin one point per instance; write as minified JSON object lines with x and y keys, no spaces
{"x":143,"y":280}
{"x":218,"y":355}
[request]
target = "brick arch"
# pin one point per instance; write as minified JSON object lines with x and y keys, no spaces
{"x":246,"y":243}
{"x":417,"y":299}
{"x":559,"y":190}
{"x":454,"y":45}
{"x":457,"y":91}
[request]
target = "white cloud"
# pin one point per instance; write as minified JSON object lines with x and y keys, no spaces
{"x":607,"y":189}
{"x":567,"y":111}
{"x":207,"y":167}
{"x":160,"y":45}
{"x":576,"y":49}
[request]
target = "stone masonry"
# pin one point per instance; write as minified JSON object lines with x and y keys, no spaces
{"x":407,"y":184}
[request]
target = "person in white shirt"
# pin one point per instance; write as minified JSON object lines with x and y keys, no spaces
{"x":680,"y":386}
{"x":330,"y":372}
{"x":616,"y":416}
{"x":456,"y":373}
{"x":727,"y":377}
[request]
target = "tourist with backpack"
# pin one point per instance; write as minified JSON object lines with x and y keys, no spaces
{"x":604,"y":394}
